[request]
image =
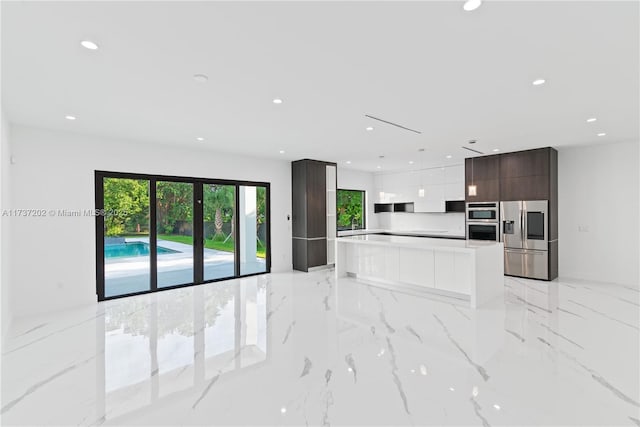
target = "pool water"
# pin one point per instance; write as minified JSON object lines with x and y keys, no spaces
{"x":132,"y":249}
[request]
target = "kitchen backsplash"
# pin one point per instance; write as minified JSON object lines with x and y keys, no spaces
{"x":453,"y":222}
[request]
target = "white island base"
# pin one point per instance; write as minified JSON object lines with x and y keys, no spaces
{"x":463,"y":269}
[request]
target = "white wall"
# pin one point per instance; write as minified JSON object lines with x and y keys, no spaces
{"x":53,"y":258}
{"x":598,"y":193}
{"x":5,"y":156}
{"x":357,"y":180}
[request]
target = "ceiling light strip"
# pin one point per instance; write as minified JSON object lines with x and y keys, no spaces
{"x":393,"y":124}
{"x":471,"y":149}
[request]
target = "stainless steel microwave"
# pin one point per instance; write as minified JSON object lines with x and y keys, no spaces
{"x":482,"y":211}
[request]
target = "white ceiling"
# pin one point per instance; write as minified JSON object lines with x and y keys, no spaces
{"x":430,"y":66}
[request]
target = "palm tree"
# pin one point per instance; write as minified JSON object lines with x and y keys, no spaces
{"x":218,"y":199}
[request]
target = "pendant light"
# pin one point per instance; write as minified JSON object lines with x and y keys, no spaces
{"x":472,"y":190}
{"x":421,"y":173}
{"x":381,"y":194}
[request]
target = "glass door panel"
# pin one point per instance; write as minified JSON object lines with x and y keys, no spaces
{"x":219,"y":216}
{"x":159,"y":231}
{"x":253,"y":229}
{"x":127,"y":260}
{"x":174,"y":225}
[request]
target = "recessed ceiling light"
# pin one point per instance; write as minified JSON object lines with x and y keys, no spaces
{"x":88,"y":44}
{"x":449,"y":156}
{"x":410,"y":162}
{"x":348,"y":162}
{"x":470,"y":5}
{"x":495,"y":150}
{"x":602,"y":134}
{"x":591,"y":120}
{"x":200,"y":138}
{"x":379,"y":167}
{"x":538,"y":82}
{"x":497,"y":407}
{"x":277,"y":101}
{"x":281,"y":151}
{"x":70,"y":117}
{"x":200,"y":78}
{"x":369,"y":128}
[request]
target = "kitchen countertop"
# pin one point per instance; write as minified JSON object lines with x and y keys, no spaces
{"x":452,"y":245}
{"x":438,"y":234}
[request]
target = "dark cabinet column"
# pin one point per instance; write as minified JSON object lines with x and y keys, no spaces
{"x":309,"y":213}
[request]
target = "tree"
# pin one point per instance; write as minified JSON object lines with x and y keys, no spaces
{"x":174,"y":203}
{"x":219,"y":199}
{"x":261,"y":195}
{"x":349,"y":206}
{"x":126,"y":202}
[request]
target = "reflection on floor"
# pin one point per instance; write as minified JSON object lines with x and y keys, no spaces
{"x":298,"y":349}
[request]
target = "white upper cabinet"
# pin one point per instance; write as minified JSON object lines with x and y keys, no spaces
{"x":439,"y":184}
{"x":454,"y":182}
{"x":454,"y":173}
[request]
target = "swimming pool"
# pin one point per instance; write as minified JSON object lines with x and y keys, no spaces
{"x":132,"y":249}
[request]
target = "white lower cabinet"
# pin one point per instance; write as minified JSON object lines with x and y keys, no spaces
{"x":416,"y":267}
{"x":464,"y":273}
{"x":374,"y":261}
{"x":453,"y":271}
{"x":466,"y":269}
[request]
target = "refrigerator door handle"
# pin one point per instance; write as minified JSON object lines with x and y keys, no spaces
{"x":525,"y":251}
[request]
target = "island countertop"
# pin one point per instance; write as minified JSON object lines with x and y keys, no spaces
{"x":452,"y":245}
{"x":439,"y":234}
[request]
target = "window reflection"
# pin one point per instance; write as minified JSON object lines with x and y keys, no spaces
{"x":155,"y":347}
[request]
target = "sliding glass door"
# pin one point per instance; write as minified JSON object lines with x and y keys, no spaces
{"x":126,"y":258}
{"x":158,"y":232}
{"x":253,"y":229}
{"x":174,"y":227}
{"x":219,"y":219}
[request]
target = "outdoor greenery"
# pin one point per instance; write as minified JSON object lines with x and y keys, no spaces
{"x":126,"y":202}
{"x":217,"y":243}
{"x":350,"y":207}
{"x":219,"y":207}
{"x":174,"y":206}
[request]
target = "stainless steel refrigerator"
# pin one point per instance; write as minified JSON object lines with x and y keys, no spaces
{"x":524,"y":227}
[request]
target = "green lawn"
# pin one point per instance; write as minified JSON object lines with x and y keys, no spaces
{"x":217,"y":243}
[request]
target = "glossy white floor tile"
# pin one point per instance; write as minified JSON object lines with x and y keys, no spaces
{"x":297,"y":349}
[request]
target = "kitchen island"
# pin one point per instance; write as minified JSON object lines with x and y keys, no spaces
{"x":464,"y":269}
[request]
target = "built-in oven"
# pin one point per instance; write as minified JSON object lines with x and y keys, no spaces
{"x":483,"y":231}
{"x":483,"y":221}
{"x":482,"y":212}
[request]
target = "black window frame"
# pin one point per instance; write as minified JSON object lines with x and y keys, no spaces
{"x":364,"y":210}
{"x":198,"y":183}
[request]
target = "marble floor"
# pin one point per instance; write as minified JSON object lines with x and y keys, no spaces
{"x":307,"y":349}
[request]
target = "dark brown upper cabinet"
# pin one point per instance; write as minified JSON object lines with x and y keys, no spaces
{"x":484,"y":173}
{"x":521,"y":175}
{"x":526,"y":175}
